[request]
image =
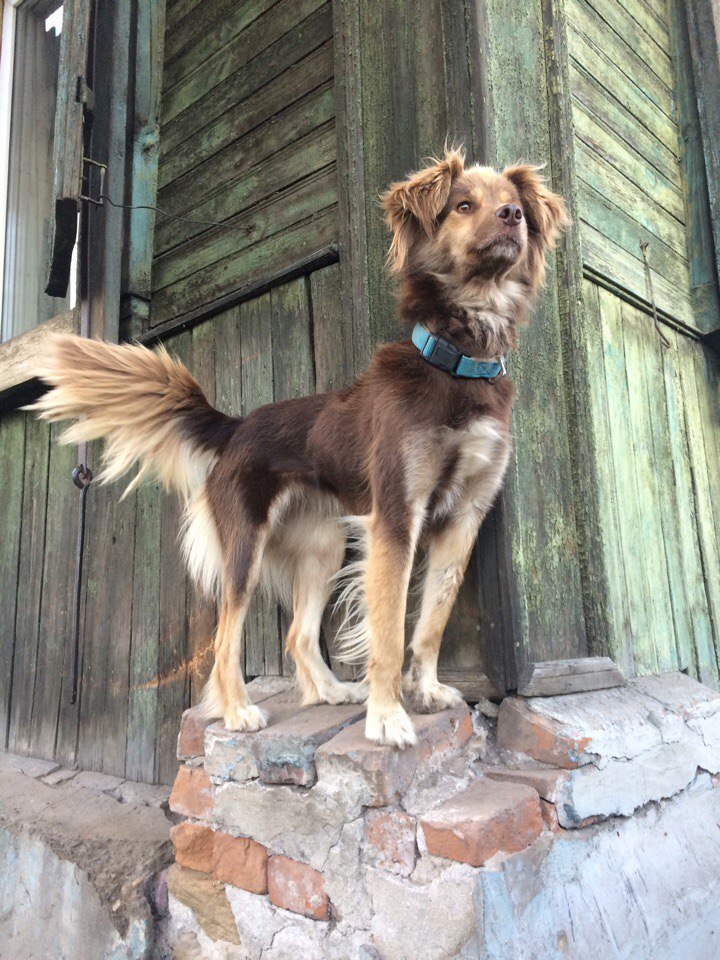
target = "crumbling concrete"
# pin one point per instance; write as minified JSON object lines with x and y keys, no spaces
{"x":77,"y":866}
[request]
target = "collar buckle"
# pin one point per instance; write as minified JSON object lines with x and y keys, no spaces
{"x":503,"y":371}
{"x":444,"y":355}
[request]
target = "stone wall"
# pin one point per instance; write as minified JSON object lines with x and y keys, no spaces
{"x":580,"y":826}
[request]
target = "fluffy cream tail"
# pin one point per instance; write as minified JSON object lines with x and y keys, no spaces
{"x":144,"y":403}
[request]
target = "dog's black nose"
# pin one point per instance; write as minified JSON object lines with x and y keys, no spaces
{"x":511,"y":213}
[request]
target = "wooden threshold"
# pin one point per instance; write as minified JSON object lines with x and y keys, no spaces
{"x":18,"y":356}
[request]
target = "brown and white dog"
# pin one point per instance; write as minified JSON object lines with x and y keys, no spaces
{"x":408,"y":455}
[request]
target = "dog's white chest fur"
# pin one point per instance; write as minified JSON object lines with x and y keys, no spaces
{"x":481,"y":450}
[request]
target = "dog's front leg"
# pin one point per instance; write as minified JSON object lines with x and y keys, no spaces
{"x":388,"y":576}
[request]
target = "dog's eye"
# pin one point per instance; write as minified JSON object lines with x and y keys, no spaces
{"x":464,"y":206}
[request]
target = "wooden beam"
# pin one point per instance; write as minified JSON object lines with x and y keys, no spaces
{"x":555,"y":677}
{"x":18,"y":356}
{"x":473,"y":686}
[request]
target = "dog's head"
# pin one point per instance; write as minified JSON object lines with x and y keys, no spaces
{"x":473,"y":222}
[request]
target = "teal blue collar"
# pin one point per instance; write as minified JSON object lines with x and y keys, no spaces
{"x":444,"y":355}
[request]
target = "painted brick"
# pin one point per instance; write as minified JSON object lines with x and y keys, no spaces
{"x":487,"y":818}
{"x":521,"y":729}
{"x":295,"y":886}
{"x":240,"y":861}
{"x":192,"y":793}
{"x":391,"y":840}
{"x":383,"y":774}
{"x":193,"y":845}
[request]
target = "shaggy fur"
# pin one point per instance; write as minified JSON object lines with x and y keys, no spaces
{"x":407,"y":455}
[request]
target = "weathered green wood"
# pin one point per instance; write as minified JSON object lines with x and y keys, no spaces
{"x":57,"y":598}
{"x":201,"y":610}
{"x":653,"y":571}
{"x":287,"y":165}
{"x":217,"y":25}
{"x":627,"y":161}
{"x":173,"y":683}
{"x":700,"y":243}
{"x":619,"y":121}
{"x":608,"y":72}
{"x":145,"y":150}
{"x":264,"y":220}
{"x":651,"y":47}
{"x":641,"y":80}
{"x":262,"y":643}
{"x":615,"y":225}
{"x":12,"y":461}
{"x":143,"y":667}
{"x":205,"y":90}
{"x":30,"y":580}
{"x":108,"y":576}
{"x":177,"y":10}
{"x":295,"y":82}
{"x":232,"y":274}
{"x":180,"y":36}
{"x":652,"y":17}
{"x":328,"y":329}
{"x":637,"y":643}
{"x":228,"y":165}
{"x":607,"y":259}
{"x":538,"y":509}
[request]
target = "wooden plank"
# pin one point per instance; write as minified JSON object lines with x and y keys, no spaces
{"x":173,"y":682}
{"x":18,"y":356}
{"x":201,"y":610}
{"x":200,"y":94}
{"x":613,"y":223}
{"x":629,"y":163}
{"x":30,"y":582}
{"x":626,"y":493}
{"x":649,"y":47}
{"x":473,"y":686}
{"x":299,"y":79}
{"x":636,"y":335}
{"x":217,"y":24}
{"x":228,"y":165}
{"x":140,"y":761}
{"x":557,"y":677}
{"x":256,"y":348}
{"x":177,"y":10}
{"x":642,"y":75}
{"x":652,"y":17}
{"x":12,"y":462}
{"x":628,"y":272}
{"x":51,"y":681}
{"x":232,"y":274}
{"x":703,"y":662}
{"x":608,"y":72}
{"x":108,"y":575}
{"x":617,"y":640}
{"x":286,"y":166}
{"x":618,"y":118}
{"x":180,"y":36}
{"x":331,"y":371}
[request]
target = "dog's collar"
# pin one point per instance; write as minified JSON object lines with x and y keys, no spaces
{"x":444,"y":355}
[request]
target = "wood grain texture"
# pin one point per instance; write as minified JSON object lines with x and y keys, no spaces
{"x":557,"y":677}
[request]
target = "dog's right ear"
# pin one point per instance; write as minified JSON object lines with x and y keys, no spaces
{"x":412,"y":206}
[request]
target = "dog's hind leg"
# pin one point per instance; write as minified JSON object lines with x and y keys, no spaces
{"x":225,"y":694}
{"x":312,"y":586}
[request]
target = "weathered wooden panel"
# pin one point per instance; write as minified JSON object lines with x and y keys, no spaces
{"x":634,"y":168}
{"x":246,"y":163}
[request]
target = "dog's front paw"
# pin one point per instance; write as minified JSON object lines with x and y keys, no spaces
{"x":390,"y":728}
{"x":354,"y":691}
{"x":249,"y":718}
{"x":430,"y":696}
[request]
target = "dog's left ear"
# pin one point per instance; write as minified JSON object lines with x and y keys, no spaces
{"x":545,"y":213}
{"x":413,"y":205}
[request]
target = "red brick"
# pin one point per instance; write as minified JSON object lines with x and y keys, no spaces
{"x":192,"y":794}
{"x":523,"y":730}
{"x":241,"y":862}
{"x":391,"y":836}
{"x":193,"y":846}
{"x":487,"y":818}
{"x":549,"y":815}
{"x":297,"y":887}
{"x":546,"y":780}
{"x":191,"y":739}
{"x":387,"y":772}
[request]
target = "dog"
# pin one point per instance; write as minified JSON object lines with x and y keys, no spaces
{"x":412,"y":453}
